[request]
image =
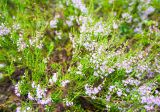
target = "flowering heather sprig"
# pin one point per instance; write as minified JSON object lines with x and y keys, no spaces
{"x":36,"y":41}
{"x":4,"y":30}
{"x":17,"y":90}
{"x":91,"y":91}
{"x":24,"y":109}
{"x":127,"y":17}
{"x":41,"y":95}
{"x":16,"y":27}
{"x":21,"y":44}
{"x":119,"y":92}
{"x":53,"y":79}
{"x":111,"y":88}
{"x":30,"y":96}
{"x":40,"y":92}
{"x":89,"y":26}
{"x":68,"y":103}
{"x":147,"y":98}
{"x":58,"y":34}
{"x":148,"y":11}
{"x":114,"y":90}
{"x":53,"y":23}
{"x":115,"y":25}
{"x":79,"y":5}
{"x":69,"y":22}
{"x":44,"y":101}
{"x":108,"y":98}
{"x":131,"y":81}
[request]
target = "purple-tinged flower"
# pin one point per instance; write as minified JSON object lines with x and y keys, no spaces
{"x":119,"y":93}
{"x":111,"y":88}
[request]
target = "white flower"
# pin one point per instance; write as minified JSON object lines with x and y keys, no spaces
{"x":64,"y":83}
{"x":59,"y":34}
{"x":40,"y":92}
{"x":111,"y":1}
{"x":115,"y":26}
{"x":68,"y":103}
{"x":78,"y":4}
{"x":33,"y":85}
{"x":53,"y":79}
{"x":16,"y":26}
{"x":53,"y":23}
{"x":2,"y":65}
{"x":69,"y":23}
{"x":127,"y":16}
{"x":79,"y":72}
{"x":16,"y":89}
{"x":95,"y":73}
{"x":44,"y":101}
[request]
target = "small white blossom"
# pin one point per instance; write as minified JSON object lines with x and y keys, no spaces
{"x":2,"y":65}
{"x":53,"y":79}
{"x":115,"y":26}
{"x":16,"y":26}
{"x":64,"y":83}
{"x":68,"y":103}
{"x":16,"y":89}
{"x":69,"y":23}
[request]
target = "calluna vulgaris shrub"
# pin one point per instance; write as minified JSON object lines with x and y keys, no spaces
{"x":79,"y":56}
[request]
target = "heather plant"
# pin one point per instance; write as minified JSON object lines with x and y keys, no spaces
{"x":73,"y":55}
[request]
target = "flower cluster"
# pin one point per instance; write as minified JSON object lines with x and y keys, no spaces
{"x":4,"y":30}
{"x":21,"y":44}
{"x":41,"y":95}
{"x":36,"y":41}
{"x":92,"y":91}
{"x":113,"y":60}
{"x":23,"y":109}
{"x":17,"y":90}
{"x":147,"y":97}
{"x":53,"y":23}
{"x":79,"y":5}
{"x":67,"y":102}
{"x":131,"y":81}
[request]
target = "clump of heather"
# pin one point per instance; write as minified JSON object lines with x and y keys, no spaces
{"x":77,"y":55}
